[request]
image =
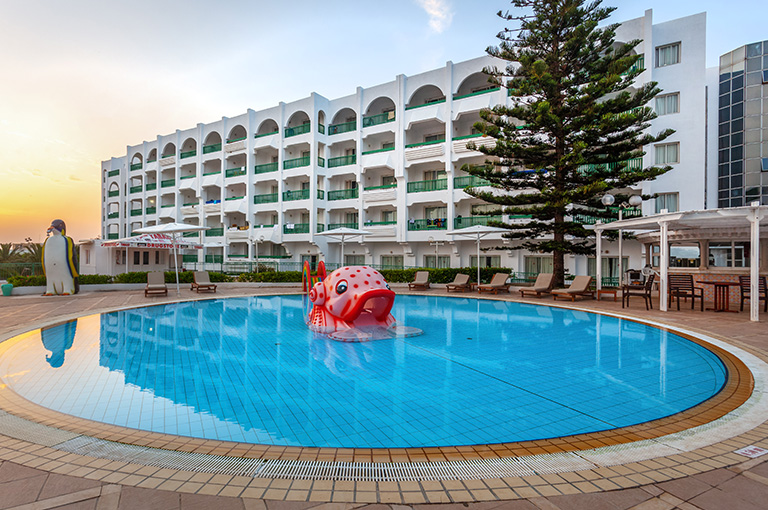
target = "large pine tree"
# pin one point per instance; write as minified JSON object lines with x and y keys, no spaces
{"x":575,"y":123}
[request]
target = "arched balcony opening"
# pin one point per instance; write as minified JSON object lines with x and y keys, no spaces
{"x":298,"y":124}
{"x":152,"y":156}
{"x":380,"y":111}
{"x":476,"y":83}
{"x":212,"y":143}
{"x":236,"y":134}
{"x":137,"y":162}
{"x":321,"y":121}
{"x":114,"y":190}
{"x":268,"y":127}
{"x":188,"y":148}
{"x":344,"y":121}
{"x":169,"y":150}
{"x":426,"y":95}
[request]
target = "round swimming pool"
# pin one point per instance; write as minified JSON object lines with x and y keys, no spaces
{"x":249,"y":370}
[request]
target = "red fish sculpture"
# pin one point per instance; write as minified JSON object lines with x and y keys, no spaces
{"x":350,"y":302}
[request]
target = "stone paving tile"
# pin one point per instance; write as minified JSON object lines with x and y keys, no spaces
{"x":135,"y":498}
{"x":56,"y":485}
{"x":21,"y":491}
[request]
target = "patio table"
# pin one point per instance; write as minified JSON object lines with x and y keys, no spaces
{"x":722,"y":295}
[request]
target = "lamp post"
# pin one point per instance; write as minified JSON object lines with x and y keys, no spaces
{"x":258,"y":240}
{"x":437,"y":244}
{"x":634,"y":201}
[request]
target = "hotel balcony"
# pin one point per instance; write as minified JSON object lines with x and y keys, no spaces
{"x":380,"y":118}
{"x":267,"y":198}
{"x":342,"y":161}
{"x":265,"y":168}
{"x":423,"y":150}
{"x":235,"y":145}
{"x":296,"y":162}
{"x":344,"y":127}
{"x":420,"y":225}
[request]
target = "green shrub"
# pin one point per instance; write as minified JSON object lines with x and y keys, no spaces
{"x":134,"y":277}
{"x":27,"y":281}
{"x":94,"y":279}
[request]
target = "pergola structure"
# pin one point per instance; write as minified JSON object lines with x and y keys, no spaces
{"x":742,"y":222}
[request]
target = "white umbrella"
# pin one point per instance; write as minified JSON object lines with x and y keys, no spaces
{"x":173,"y":229}
{"x":477,"y":231}
{"x":340,"y":233}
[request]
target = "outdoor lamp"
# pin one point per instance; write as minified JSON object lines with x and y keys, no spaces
{"x":633,"y":201}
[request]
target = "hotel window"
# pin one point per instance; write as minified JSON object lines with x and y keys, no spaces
{"x":667,"y":153}
{"x":668,"y":55}
{"x":668,"y":103}
{"x":389,"y":216}
{"x":388,"y":180}
{"x":354,"y":260}
{"x":433,"y":175}
{"x":764,"y":164}
{"x":443,"y":261}
{"x":668,"y":201}
{"x":437,"y":137}
{"x":680,"y":255}
{"x":392,"y":261}
{"x":536,"y":265}
{"x":485,"y":261}
{"x":87,"y":256}
{"x":728,"y":254}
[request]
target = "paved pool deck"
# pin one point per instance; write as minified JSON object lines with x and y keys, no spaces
{"x":35,"y":474}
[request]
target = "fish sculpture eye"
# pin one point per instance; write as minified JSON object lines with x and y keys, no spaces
{"x":341,"y":287}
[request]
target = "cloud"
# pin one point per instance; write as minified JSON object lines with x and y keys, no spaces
{"x":440,"y":14}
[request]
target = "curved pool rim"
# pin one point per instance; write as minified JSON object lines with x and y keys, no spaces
{"x":736,"y":391}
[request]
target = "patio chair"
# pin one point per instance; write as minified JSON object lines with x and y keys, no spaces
{"x":156,"y":284}
{"x":579,"y":288}
{"x":459,"y":284}
{"x":498,"y":282}
{"x":543,"y":285}
{"x":202,"y":281}
{"x":762,"y":291}
{"x":420,"y":282}
{"x":681,"y":285}
{"x":643,"y":291}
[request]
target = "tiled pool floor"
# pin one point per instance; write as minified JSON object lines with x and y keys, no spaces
{"x":708,"y":477}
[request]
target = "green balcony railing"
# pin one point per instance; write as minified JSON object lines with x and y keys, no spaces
{"x":585,"y":218}
{"x":189,"y":204}
{"x":320,"y":161}
{"x":321,"y":128}
{"x":267,"y":198}
{"x":214,"y":259}
{"x":167,"y":183}
{"x":113,"y":173}
{"x":296,"y":162}
{"x":191,"y":234}
{"x":384,"y":186}
{"x":436,"y":224}
{"x":207,"y":149}
{"x":112,"y":236}
{"x":343,"y":194}
{"x":320,"y":227}
{"x":632,"y":164}
{"x":234,"y":172}
{"x":433,"y":185}
{"x":214,"y":232}
{"x":298,"y":130}
{"x":428,"y":103}
{"x":466,"y":181}
{"x":113,"y":215}
{"x":234,"y":198}
{"x":189,"y":258}
{"x":469,"y":221}
{"x":331,"y":226}
{"x":136,"y":166}
{"x":419,"y":144}
{"x":114,"y":193}
{"x":344,"y":127}
{"x":190,"y":176}
{"x":135,"y":189}
{"x":151,"y":210}
{"x":320,"y":194}
{"x":163,"y":156}
{"x":152,"y":160}
{"x":267,"y":134}
{"x":296,"y":228}
{"x":237,"y":256}
{"x":640,"y":64}
{"x":265,"y":168}
{"x":377,"y":223}
{"x":188,"y":154}
{"x":479,"y":92}
{"x":374,"y":151}
{"x":136,"y":212}
{"x":301,"y":194}
{"x":342,"y":161}
{"x":164,"y":206}
{"x":238,"y":139}
{"x":151,"y":186}
{"x":467,"y":137}
{"x":379,"y":118}
{"x":212,"y":172}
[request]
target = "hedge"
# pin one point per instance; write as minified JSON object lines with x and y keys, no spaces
{"x":134,"y":277}
{"x":271,"y":276}
{"x":442,"y":275}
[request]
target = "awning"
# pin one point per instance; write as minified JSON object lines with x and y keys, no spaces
{"x":161,"y":241}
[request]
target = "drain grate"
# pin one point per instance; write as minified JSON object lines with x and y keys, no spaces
{"x":19,"y":428}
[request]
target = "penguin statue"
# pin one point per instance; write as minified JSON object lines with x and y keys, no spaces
{"x":59,"y":261}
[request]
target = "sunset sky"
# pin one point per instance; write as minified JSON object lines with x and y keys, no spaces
{"x":83,"y":79}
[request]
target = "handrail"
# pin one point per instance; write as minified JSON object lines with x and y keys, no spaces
{"x":419,"y":144}
{"x":265,"y":167}
{"x":479,"y":92}
{"x":343,"y":127}
{"x":379,"y":118}
{"x":365,"y":153}
{"x":342,"y":161}
{"x":438,"y":101}
{"x":431,"y":185}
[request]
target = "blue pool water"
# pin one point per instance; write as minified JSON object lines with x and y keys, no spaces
{"x":248,"y":369}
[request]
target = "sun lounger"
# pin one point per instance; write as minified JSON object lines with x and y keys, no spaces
{"x":421,"y":282}
{"x":460,"y":283}
{"x":579,"y":287}
{"x":543,"y":285}
{"x":498,"y":282}
{"x":202,"y":281}
{"x":155,"y":284}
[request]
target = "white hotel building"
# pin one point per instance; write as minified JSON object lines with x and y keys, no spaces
{"x":386,"y":159}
